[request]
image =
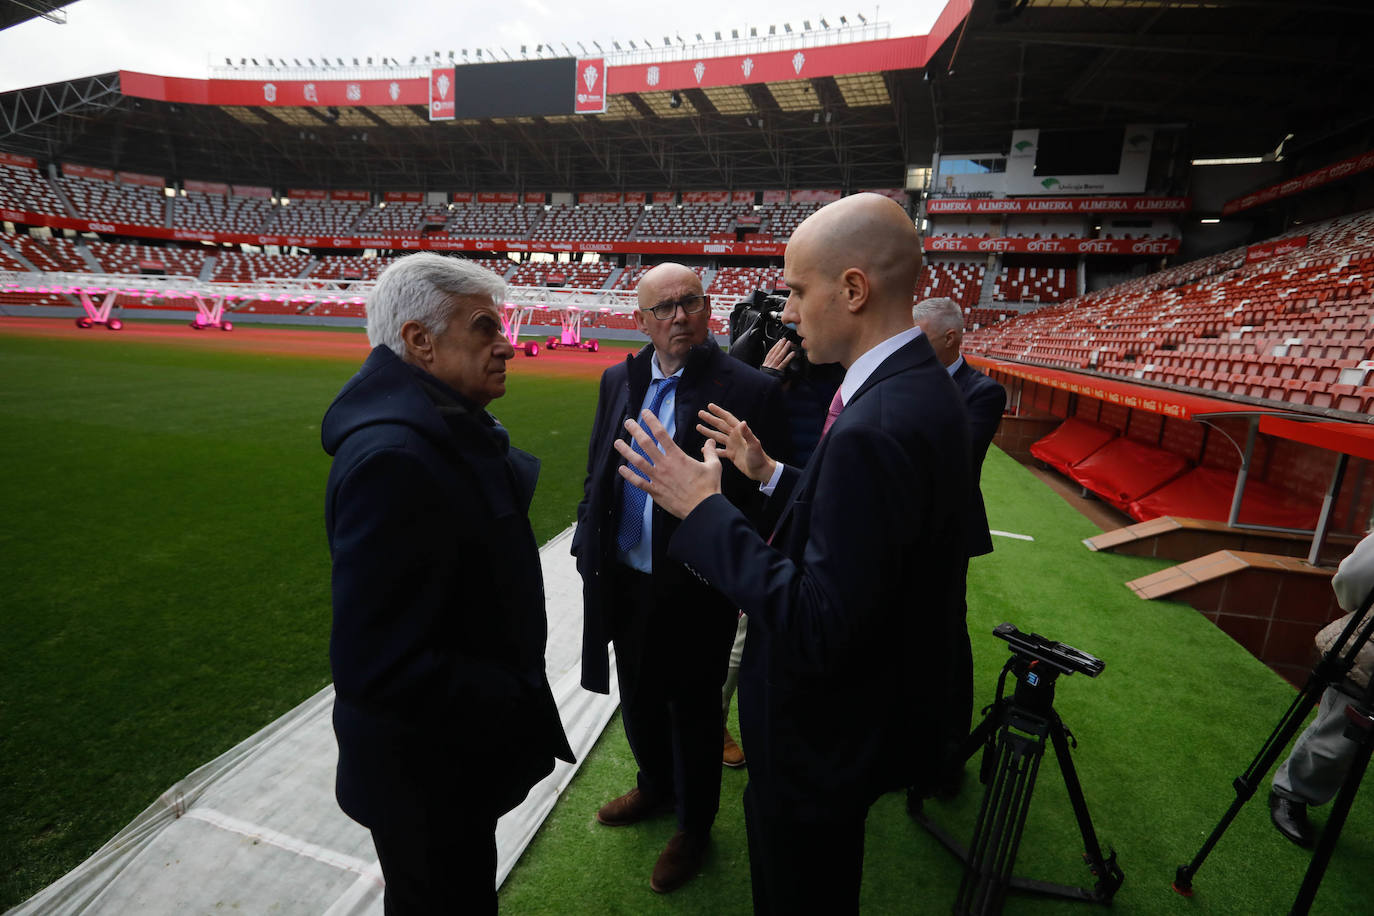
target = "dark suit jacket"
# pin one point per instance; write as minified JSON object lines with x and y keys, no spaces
{"x":984,"y":401}
{"x":709,"y":376}
{"x":437,"y":648}
{"x":848,"y":607}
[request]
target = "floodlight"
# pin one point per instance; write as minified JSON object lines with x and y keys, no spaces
{"x":806,"y":25}
{"x":412,"y":60}
{"x":243,"y":61}
{"x":340,"y":60}
{"x":228,"y":62}
{"x":862,"y":18}
{"x":583,"y":48}
{"x":824,"y":24}
{"x":844,"y":21}
{"x":717,"y":36}
{"x":772,"y":30}
{"x":297,"y":60}
{"x":787,"y":27}
{"x":699,"y":38}
{"x":597,"y":45}
{"x":616,"y":45}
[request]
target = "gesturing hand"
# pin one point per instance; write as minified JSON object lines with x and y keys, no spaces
{"x":675,"y":481}
{"x":737,"y":442}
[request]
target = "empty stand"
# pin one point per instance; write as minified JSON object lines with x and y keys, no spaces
{"x":733,"y":283}
{"x":1034,"y":284}
{"x":95,"y":199}
{"x":56,"y":254}
{"x":690,"y":221}
{"x":1294,"y":328}
{"x":118,"y":258}
{"x":244,"y":267}
{"x":494,"y":221}
{"x":318,"y":217}
{"x":589,"y":222}
{"x":201,"y":212}
{"x":28,"y":189}
{"x":961,"y":281}
{"x":554,"y":273}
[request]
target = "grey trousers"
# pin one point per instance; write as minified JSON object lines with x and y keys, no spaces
{"x":1315,"y":769}
{"x":727,"y":690}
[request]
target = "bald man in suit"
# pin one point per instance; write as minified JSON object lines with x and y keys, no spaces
{"x":864,"y":563}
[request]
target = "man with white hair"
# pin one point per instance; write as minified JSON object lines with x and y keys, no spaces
{"x":439,"y":626}
{"x":984,"y":400}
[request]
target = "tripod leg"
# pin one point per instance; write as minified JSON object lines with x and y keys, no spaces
{"x":1362,"y":725}
{"x":1335,"y":663}
{"x":1001,"y":817}
{"x":1108,"y":875}
{"x":1246,"y":784}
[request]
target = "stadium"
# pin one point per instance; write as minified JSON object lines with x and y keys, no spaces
{"x":1157,"y":218}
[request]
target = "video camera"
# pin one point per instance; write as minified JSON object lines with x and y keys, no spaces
{"x":1065,"y":659}
{"x":756,"y":325}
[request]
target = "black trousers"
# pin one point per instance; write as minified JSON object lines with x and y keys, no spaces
{"x":671,"y":661}
{"x":803,"y":866}
{"x":441,"y":866}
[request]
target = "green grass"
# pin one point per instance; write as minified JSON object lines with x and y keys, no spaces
{"x":1178,"y":713}
{"x":167,"y":576}
{"x":166,"y":595}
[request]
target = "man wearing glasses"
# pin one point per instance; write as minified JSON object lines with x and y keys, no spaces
{"x":672,"y":632}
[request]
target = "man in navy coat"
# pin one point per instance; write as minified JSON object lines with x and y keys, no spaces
{"x":942,"y":322}
{"x":847,"y":597}
{"x":437,"y":648}
{"x":672,"y":632}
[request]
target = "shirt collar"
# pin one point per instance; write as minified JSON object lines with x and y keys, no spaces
{"x":954,"y":366}
{"x":863,"y":366}
{"x":656,"y":374}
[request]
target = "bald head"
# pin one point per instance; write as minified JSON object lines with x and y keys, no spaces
{"x":669,"y":285}
{"x":862,"y":254}
{"x":872,"y":233}
{"x":664,"y":276}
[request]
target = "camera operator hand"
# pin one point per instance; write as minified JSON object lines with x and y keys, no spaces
{"x":782,"y":353}
{"x":737,"y":441}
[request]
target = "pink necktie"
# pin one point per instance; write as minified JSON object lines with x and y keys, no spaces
{"x":833,"y":411}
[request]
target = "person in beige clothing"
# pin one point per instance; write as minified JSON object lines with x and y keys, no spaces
{"x":1316,"y":767}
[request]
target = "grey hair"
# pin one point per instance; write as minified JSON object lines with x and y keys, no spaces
{"x":941,"y":312}
{"x":421,"y":287}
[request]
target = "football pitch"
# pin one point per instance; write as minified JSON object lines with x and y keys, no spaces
{"x":167,"y":595}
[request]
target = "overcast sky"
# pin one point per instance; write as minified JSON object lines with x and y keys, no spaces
{"x":182,"y":37}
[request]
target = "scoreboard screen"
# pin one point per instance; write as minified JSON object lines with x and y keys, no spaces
{"x":515,"y":89}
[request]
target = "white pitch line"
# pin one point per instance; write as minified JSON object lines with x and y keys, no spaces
{"x":1008,"y":534}
{"x":283,"y":841}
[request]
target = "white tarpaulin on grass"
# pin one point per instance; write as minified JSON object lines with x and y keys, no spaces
{"x":257,"y":828}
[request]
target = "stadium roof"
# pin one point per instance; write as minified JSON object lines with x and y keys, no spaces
{"x":17,"y":11}
{"x":1234,"y":77}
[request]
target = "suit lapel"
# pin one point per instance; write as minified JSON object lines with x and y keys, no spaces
{"x":907,"y":357}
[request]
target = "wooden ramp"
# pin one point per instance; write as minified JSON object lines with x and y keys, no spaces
{"x":1173,"y":538}
{"x":1272,"y":605}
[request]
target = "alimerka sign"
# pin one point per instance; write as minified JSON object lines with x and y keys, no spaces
{"x":1060,"y":205}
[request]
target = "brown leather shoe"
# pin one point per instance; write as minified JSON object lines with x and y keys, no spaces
{"x":732,"y":756}
{"x":679,"y":862}
{"x":630,"y":808}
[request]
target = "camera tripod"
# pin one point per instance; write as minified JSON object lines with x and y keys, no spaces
{"x":1013,"y":734}
{"x":1331,"y":671}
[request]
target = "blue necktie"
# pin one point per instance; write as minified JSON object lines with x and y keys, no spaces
{"x":632,"y":498}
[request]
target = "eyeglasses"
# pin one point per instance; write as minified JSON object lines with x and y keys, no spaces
{"x":690,"y":305}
